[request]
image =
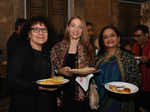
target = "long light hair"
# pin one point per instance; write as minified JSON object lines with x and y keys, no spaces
{"x":84,"y":39}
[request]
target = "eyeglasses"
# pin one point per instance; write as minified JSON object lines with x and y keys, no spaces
{"x":111,"y":35}
{"x":37,"y":30}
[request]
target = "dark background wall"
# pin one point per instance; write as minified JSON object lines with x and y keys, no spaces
{"x":101,"y":12}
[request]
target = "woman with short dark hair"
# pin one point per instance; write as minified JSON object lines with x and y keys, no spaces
{"x":74,"y":51}
{"x":28,"y":64}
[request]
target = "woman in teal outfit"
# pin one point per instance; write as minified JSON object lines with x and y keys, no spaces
{"x":115,"y":65}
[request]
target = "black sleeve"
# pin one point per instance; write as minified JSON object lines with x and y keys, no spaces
{"x":16,"y":81}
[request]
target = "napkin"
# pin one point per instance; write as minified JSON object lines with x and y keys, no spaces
{"x":84,"y":81}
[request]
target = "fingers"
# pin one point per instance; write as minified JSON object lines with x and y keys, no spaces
{"x":65,"y":71}
{"x":47,"y":89}
{"x":68,"y":69}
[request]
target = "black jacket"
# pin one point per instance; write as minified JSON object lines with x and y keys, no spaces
{"x":26,"y":66}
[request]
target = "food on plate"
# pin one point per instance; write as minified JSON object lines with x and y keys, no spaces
{"x":53,"y":81}
{"x":86,"y":68}
{"x":112,"y":87}
{"x":59,"y":78}
{"x":119,"y":89}
{"x":126,"y":90}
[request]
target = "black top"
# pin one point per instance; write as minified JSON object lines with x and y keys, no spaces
{"x":25,"y":66}
{"x":70,"y":60}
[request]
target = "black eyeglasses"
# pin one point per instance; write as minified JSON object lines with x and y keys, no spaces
{"x":37,"y":30}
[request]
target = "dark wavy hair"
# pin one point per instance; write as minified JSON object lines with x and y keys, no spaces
{"x":101,"y":42}
{"x":35,"y":20}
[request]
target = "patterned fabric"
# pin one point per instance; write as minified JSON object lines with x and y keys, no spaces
{"x":58,"y":53}
{"x":127,"y":65}
{"x":109,"y":72}
{"x":120,"y":67}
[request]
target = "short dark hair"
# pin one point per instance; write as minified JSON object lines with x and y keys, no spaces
{"x":89,"y":23}
{"x":39,"y":19}
{"x":19,"y":22}
{"x":27,"y":27}
{"x":143,"y":28}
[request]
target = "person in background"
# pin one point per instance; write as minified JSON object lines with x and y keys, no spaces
{"x":127,"y":45}
{"x":90,"y":29}
{"x":91,"y":33}
{"x":15,"y":40}
{"x":115,"y":65}
{"x":74,"y":51}
{"x":142,"y":49}
{"x":29,"y":63}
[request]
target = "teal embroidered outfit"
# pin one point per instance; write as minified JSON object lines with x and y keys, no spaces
{"x":119,"y":67}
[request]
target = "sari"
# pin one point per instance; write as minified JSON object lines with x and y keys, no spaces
{"x":109,"y":72}
{"x":120,"y":67}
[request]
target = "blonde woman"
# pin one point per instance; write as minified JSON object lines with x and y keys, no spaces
{"x":74,"y":51}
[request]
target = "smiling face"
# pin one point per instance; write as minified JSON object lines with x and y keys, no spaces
{"x":75,"y":28}
{"x":140,"y":37}
{"x":110,"y":38}
{"x":38,"y":34}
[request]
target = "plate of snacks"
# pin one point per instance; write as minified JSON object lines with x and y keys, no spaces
{"x":86,"y":70}
{"x":52,"y":82}
{"x":121,"y":87}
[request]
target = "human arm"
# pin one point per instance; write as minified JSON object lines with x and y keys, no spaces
{"x":17,"y":80}
{"x":57,"y":60}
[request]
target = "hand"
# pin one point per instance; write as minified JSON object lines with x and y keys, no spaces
{"x":47,"y":89}
{"x":65,"y":71}
{"x":144,"y":59}
{"x":90,"y":70}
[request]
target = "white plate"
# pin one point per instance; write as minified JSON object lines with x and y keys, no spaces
{"x":137,"y":57}
{"x":51,"y":85}
{"x":122,"y":85}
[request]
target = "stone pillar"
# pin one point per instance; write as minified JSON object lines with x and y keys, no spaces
{"x":77,"y":8}
{"x":71,"y":8}
{"x":80,"y":8}
{"x":114,"y":10}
